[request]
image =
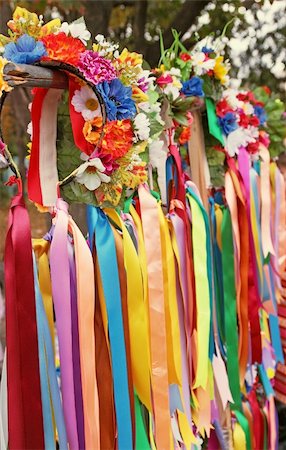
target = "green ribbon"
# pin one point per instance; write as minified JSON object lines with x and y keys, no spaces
{"x":231,"y":333}
{"x":142,"y":442}
{"x":214,"y":127}
{"x":243,"y":422}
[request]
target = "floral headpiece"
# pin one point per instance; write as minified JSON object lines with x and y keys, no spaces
{"x":113,"y":113}
{"x":241,"y":118}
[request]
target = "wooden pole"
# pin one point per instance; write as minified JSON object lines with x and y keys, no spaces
{"x":25,"y":75}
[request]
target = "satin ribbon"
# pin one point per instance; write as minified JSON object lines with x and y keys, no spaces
{"x":203,"y":300}
{"x":267,"y":244}
{"x":60,"y":275}
{"x":42,"y":174}
{"x":99,"y":227}
{"x":159,"y":376}
{"x":230,"y":308}
{"x":25,"y":419}
{"x":52,"y":406}
{"x":137,"y":315}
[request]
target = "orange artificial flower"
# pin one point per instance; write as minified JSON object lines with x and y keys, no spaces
{"x":61,"y":47}
{"x":92,"y":130}
{"x":118,"y":138}
{"x":185,"y":135}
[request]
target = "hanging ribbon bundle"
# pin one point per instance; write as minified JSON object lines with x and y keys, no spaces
{"x":160,"y":330}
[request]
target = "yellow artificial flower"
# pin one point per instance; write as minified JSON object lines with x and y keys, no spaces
{"x":138,"y":95}
{"x":3,"y":84}
{"x":26,"y":22}
{"x":220,"y":69}
{"x":130,"y":58}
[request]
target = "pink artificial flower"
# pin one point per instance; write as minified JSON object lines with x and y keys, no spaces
{"x":164,"y":79}
{"x":96,"y":68}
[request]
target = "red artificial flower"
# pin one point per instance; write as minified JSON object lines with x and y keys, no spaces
{"x":242,"y":97}
{"x":254,"y":121}
{"x":264,"y":138}
{"x":222,"y":108}
{"x":185,"y":57}
{"x":185,"y":135}
{"x":61,"y":47}
{"x":243,"y":120}
{"x":164,"y":79}
{"x":253,"y":147}
{"x":118,"y":138}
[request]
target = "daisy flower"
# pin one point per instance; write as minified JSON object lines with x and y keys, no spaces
{"x":85,"y":102}
{"x":91,"y":173}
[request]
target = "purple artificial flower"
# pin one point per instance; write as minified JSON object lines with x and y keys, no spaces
{"x":95,"y":68}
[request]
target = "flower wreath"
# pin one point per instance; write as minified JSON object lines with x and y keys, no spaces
{"x":113,"y":113}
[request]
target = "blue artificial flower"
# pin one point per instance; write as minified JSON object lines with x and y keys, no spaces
{"x":207,"y":50}
{"x":228,"y":123}
{"x":193,"y":87}
{"x":26,"y":50}
{"x":117,"y":98}
{"x":260,"y":113}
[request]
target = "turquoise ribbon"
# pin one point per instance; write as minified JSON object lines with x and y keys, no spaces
{"x":99,"y":226}
{"x":48,"y":376}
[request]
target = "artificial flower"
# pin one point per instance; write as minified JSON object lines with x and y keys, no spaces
{"x":91,"y":173}
{"x":61,"y":47}
{"x":85,"y":102}
{"x":92,"y":130}
{"x":107,"y":160}
{"x":185,"y":135}
{"x":247,"y":108}
{"x":95,"y":68}
{"x":185,"y":57}
{"x":260,"y":113}
{"x":138,"y":95}
{"x":129,"y":67}
{"x":105,"y":48}
{"x":193,"y":87}
{"x":240,"y":137}
{"x":207,"y":50}
{"x":142,"y":127}
{"x":3,"y":84}
{"x":202,"y":64}
{"x":220,"y":70}
{"x":223,"y":107}
{"x":118,"y":100}
{"x":25,"y":22}
{"x":26,"y":50}
{"x":77,"y":30}
{"x":163,"y":80}
{"x":228,"y":123}
{"x":118,"y":138}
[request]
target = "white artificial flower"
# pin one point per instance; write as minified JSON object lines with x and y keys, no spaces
{"x":86,"y":102}
{"x":90,"y":173}
{"x":175,"y":72}
{"x":240,"y":138}
{"x":30,"y":129}
{"x":100,"y":38}
{"x":200,"y":65}
{"x":170,"y":89}
{"x":76,"y":30}
{"x":3,"y":162}
{"x":231,"y":97}
{"x":247,"y":108}
{"x":142,"y":127}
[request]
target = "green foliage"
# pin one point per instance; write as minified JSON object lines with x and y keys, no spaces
{"x":276,"y":123}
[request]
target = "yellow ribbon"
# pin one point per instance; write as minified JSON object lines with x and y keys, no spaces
{"x":239,"y":441}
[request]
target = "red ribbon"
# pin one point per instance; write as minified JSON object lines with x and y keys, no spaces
{"x":25,"y":421}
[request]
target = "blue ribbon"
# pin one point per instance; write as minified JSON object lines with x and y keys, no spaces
{"x":99,"y":226}
{"x":49,"y":383}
